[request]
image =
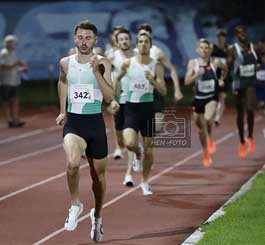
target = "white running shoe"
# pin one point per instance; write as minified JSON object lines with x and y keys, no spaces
{"x":136,"y":164}
{"x":146,"y":189}
{"x":128,"y":180}
{"x":72,"y":218}
{"x":96,"y":233}
{"x":117,"y":154}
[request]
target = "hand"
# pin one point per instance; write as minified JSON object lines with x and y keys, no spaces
{"x":178,"y":95}
{"x":221,"y":82}
{"x":149,"y":76}
{"x":114,"y":107}
{"x":22,"y":68}
{"x":94,"y":61}
{"x":61,"y":119}
{"x":200,"y":72}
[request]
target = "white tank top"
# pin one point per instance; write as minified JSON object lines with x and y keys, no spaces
{"x":118,"y":59}
{"x":84,"y":95}
{"x":139,"y":89}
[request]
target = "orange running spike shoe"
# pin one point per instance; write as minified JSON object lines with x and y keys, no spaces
{"x":242,"y":152}
{"x":251,"y":147}
{"x":207,"y":161}
{"x":211,"y":145}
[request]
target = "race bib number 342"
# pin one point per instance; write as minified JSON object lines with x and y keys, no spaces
{"x":82,"y":93}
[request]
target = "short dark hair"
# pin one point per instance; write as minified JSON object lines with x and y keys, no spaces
{"x":204,"y":40}
{"x":118,"y":27}
{"x":122,"y":30}
{"x":145,"y":27}
{"x":238,"y":27}
{"x":221,"y":32}
{"x":87,"y":25}
{"x":144,"y":34}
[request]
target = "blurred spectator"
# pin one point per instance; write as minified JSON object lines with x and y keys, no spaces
{"x":11,"y":67}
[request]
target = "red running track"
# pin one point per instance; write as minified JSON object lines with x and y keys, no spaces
{"x":34,"y":199}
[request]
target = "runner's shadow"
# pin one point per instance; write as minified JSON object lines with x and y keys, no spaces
{"x":164,"y":233}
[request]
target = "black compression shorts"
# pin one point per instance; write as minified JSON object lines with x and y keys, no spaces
{"x":92,"y":129}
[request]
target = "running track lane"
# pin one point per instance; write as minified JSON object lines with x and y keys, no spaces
{"x":160,"y":216}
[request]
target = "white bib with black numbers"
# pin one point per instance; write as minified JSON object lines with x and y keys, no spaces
{"x":82,"y":93}
{"x":206,"y":86}
{"x":247,"y":70}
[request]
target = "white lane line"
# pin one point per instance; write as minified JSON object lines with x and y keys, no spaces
{"x":27,"y":188}
{"x":177,"y":164}
{"x":35,"y":153}
{"x":31,"y":154}
{"x":28,"y":119}
{"x":29,"y":134}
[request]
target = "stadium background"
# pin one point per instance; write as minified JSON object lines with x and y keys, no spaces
{"x":45,"y":28}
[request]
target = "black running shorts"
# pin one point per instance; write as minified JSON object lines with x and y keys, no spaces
{"x":198,"y":105}
{"x":119,"y":118}
{"x":140,"y":117}
{"x":92,"y":129}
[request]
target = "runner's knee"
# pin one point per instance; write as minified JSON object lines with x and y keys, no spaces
{"x":72,"y":169}
{"x":130,"y":143}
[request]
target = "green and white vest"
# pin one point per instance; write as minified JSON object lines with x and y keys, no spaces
{"x":84,"y":95}
{"x":139,"y":89}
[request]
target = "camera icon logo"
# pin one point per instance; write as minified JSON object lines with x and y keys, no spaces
{"x":168,"y":126}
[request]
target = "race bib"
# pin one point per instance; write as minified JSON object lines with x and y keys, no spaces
{"x":141,"y":87}
{"x":206,"y":86}
{"x":82,"y":93}
{"x":260,"y":75}
{"x":247,"y":70}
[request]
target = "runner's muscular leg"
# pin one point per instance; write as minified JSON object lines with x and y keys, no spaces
{"x":202,"y":128}
{"x":148,"y":159}
{"x":130,"y":138}
{"x":97,"y":171}
{"x":209,"y":114}
{"x":74,"y":146}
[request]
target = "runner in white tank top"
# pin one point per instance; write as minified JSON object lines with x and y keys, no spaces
{"x":124,"y":51}
{"x":144,"y":74}
{"x":85,"y":79}
{"x":158,"y":55}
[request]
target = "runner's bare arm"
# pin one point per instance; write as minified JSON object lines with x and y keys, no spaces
{"x":190,"y":74}
{"x":62,"y":91}
{"x":158,"y":81}
{"x":224,"y":70}
{"x":231,"y":56}
{"x":102,"y":72}
{"x":123,"y":71}
{"x":173,"y":73}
